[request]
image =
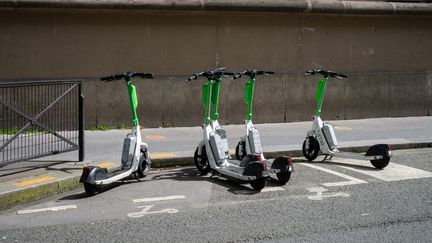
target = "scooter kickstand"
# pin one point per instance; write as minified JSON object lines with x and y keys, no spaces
{"x":213,"y":173}
{"x":136,"y":177}
{"x":325,"y":158}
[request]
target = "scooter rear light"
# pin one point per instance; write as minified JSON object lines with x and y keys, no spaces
{"x":86,"y":171}
{"x":264,"y":166}
{"x":389,"y":146}
{"x":289,"y":161}
{"x":258,"y":158}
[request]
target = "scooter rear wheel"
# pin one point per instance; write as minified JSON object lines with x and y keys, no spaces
{"x":258,"y":184}
{"x":91,"y":189}
{"x":201,"y":162}
{"x":380,"y":163}
{"x":284,"y":177}
{"x":312,"y":152}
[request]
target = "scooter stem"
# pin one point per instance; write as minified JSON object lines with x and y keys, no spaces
{"x":215,"y":98}
{"x":248,"y":96}
{"x":133,"y":101}
{"x":320,"y":95}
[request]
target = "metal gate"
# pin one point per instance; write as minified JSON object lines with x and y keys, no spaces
{"x":40,"y":118}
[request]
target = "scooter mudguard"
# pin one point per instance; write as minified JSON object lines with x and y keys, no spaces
{"x":93,"y":173}
{"x":379,"y":149}
{"x":284,"y":164}
{"x":257,"y":169}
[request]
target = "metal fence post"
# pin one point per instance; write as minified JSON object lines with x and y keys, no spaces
{"x":81,"y":123}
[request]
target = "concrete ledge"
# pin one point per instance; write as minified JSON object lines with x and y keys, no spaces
{"x":248,"y":6}
{"x":29,"y":194}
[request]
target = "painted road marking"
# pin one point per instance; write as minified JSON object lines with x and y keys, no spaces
{"x":146,"y":211}
{"x":351,"y":180}
{"x":342,"y":128}
{"x":51,"y":209}
{"x":34,"y":181}
{"x":266,"y":189}
{"x":273,"y":189}
{"x":105,"y":165}
{"x":154,"y":199}
{"x":393,"y":172}
{"x":154,"y":137}
{"x":320,"y":196}
{"x":158,"y":156}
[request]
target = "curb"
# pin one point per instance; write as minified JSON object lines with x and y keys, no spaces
{"x":22,"y":196}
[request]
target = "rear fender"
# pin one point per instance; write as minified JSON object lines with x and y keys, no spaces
{"x":93,"y":173}
{"x":379,"y":149}
{"x":284,"y":164}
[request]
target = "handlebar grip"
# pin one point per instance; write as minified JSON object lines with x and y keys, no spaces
{"x":310,"y":72}
{"x":193,"y":77}
{"x":107,"y":79}
{"x":237,"y":76}
{"x":144,"y":75}
{"x":229,"y":73}
{"x":268,"y":72}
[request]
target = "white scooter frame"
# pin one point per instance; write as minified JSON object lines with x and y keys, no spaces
{"x":322,"y":136}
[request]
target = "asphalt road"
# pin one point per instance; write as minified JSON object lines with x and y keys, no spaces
{"x":339,"y":201}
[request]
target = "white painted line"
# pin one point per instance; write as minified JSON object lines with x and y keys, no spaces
{"x":146,"y":211}
{"x":351,"y":180}
{"x":272,"y":189}
{"x":153,"y":199}
{"x":51,"y":209}
{"x":393,"y":172}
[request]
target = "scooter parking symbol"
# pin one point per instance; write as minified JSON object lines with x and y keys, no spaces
{"x":320,"y":195}
{"x":145,"y":210}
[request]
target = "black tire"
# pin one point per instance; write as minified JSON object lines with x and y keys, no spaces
{"x":380,"y":163}
{"x":240,"y":154}
{"x":313,"y":150}
{"x":283,"y":177}
{"x":258,"y":184}
{"x":91,"y":189}
{"x":143,"y":165}
{"x":202,"y":162}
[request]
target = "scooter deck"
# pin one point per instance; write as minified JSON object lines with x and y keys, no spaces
{"x":234,"y":170}
{"x":350,"y":155}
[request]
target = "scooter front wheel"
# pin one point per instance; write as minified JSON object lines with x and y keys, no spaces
{"x":240,"y":153}
{"x":201,"y":161}
{"x":91,"y":189}
{"x":313,"y":149}
{"x":258,"y":184}
{"x":144,"y":165}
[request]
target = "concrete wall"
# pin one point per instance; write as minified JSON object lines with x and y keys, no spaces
{"x":389,"y":59}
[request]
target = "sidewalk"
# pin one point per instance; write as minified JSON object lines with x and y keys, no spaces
{"x":28,"y":181}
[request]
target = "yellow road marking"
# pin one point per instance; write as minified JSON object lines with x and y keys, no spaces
{"x":154,"y":137}
{"x":105,"y":165}
{"x":157,"y":156}
{"x":34,"y":181}
{"x":342,"y":128}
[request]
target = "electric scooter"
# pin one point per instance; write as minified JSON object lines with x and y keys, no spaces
{"x":322,"y":136}
{"x":250,"y":143}
{"x":135,"y":159}
{"x":212,"y":153}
